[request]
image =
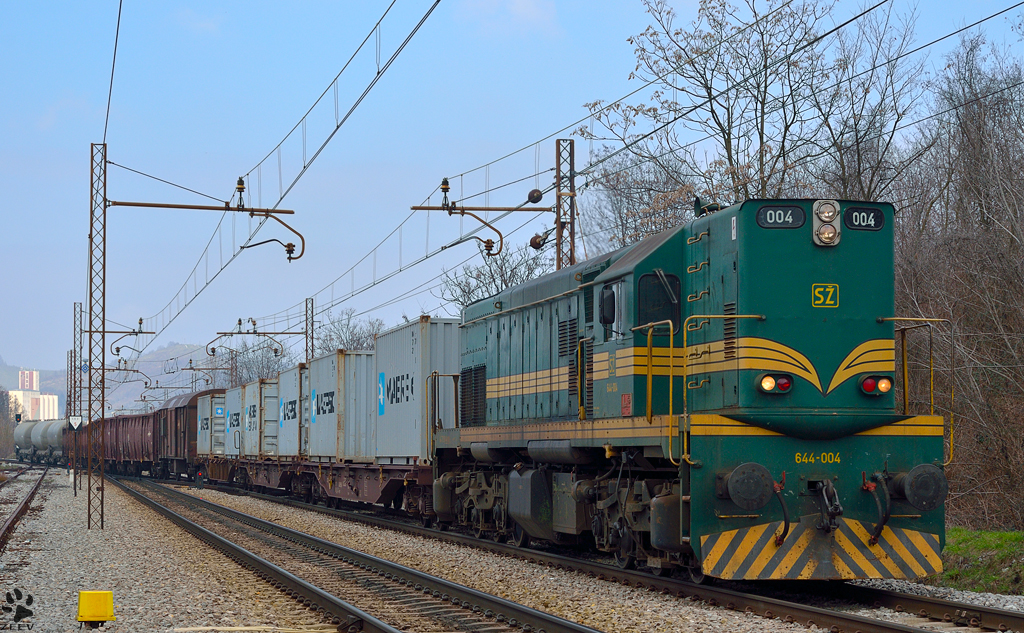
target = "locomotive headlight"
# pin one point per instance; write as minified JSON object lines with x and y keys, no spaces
{"x":827,"y":211}
{"x":767,"y":383}
{"x":884,"y":385}
{"x":827,"y":233}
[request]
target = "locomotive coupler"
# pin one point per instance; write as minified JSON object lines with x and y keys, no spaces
{"x":830,"y":507}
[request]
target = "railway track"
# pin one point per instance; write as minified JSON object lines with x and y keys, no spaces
{"x":318,"y":571}
{"x":919,"y":610}
{"x":21,"y":507}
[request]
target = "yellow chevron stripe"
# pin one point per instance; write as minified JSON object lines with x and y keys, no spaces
{"x":842,"y":568}
{"x":853,"y":551}
{"x":877,"y":355}
{"x":782,"y":571}
{"x":746,"y":545}
{"x":808,"y":570}
{"x":880,"y":555}
{"x":765,"y":555}
{"x":931,"y":555}
{"x":890,"y":537}
{"x":869,"y":561}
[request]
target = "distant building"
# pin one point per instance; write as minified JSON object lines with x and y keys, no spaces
{"x":34,"y":405}
{"x":28,"y":380}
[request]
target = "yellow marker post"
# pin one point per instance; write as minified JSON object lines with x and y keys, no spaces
{"x":95,"y":607}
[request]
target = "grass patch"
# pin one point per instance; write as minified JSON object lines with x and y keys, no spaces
{"x":977,"y":560}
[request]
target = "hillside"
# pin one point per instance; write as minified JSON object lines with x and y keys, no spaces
{"x":126,"y":395}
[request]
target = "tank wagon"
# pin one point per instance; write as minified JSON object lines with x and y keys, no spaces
{"x":40,"y":441}
{"x":717,"y":398}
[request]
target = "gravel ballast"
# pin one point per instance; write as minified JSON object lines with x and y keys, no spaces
{"x":163,"y":579}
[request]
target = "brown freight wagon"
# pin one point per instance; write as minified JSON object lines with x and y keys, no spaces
{"x":175,"y":431}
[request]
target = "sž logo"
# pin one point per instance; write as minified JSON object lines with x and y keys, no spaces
{"x":16,"y":603}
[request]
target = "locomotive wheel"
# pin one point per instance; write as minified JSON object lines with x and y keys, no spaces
{"x":697,"y":576}
{"x":498,"y":536}
{"x":661,"y":572}
{"x":624,"y":561}
{"x":439,"y":525}
{"x":519,"y":536}
{"x":625,"y":556}
{"x":479,"y":532}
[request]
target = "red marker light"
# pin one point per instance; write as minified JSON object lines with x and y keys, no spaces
{"x":783,"y":384}
{"x":868,"y":385}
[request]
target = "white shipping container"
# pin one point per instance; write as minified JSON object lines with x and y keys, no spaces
{"x":211,"y":425}
{"x":293,"y":411}
{"x":203,"y":435}
{"x":260,"y":419}
{"x":233,"y":412}
{"x":405,"y":357}
{"x":343,"y":412}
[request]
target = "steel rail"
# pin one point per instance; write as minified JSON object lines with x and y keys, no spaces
{"x":466,"y":597}
{"x":12,"y":519}
{"x":975,"y":616}
{"x":933,"y":608}
{"x":352,"y":618}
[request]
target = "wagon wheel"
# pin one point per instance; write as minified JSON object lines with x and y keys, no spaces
{"x":519,"y":536}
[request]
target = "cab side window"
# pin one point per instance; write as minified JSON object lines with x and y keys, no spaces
{"x":611,"y":308}
{"x":659,"y":298}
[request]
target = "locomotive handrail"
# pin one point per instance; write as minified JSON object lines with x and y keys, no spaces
{"x":581,"y":355}
{"x":686,"y":365}
{"x":952,"y":367}
{"x":431,"y":416}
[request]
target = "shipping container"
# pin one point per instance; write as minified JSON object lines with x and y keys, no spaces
{"x":233,"y":413}
{"x":293,"y":412}
{"x":260,"y":419}
{"x":406,"y":358}
{"x":342,"y":421}
{"x":212,"y":424}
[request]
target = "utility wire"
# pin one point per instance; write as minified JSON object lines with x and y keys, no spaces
{"x":836,"y":84}
{"x":167,"y":182}
{"x":110,"y":91}
{"x":183,"y":291}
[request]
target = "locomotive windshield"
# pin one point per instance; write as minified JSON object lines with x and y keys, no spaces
{"x":659,"y":298}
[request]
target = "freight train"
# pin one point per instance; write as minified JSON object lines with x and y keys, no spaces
{"x":717,"y":399}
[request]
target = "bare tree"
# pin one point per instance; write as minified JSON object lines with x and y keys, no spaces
{"x":740,"y":88}
{"x":259,"y":360}
{"x":9,"y":408}
{"x":872,"y":92}
{"x":511,"y":267}
{"x":960,"y":256}
{"x":345,"y":331}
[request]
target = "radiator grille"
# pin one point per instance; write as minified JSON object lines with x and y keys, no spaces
{"x":729,"y":331}
{"x":473,"y":404}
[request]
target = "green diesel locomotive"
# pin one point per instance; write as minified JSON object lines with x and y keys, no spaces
{"x":717,"y":398}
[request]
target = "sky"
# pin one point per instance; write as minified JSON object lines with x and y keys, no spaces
{"x":203,"y":91}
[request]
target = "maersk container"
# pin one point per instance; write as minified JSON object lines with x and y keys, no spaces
{"x":406,"y":356}
{"x":293,"y":412}
{"x":233,"y":413}
{"x":210,"y":433}
{"x":260,"y":419}
{"x":343,"y":416}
